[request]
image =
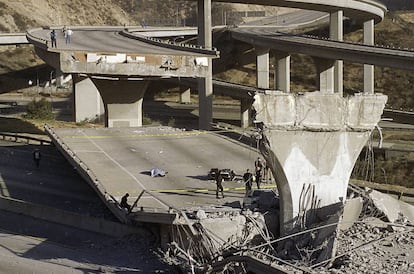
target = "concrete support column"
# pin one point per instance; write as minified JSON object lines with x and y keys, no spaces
{"x":282,"y":71}
{"x":369,"y":69}
{"x":245,"y":112}
{"x":311,"y":142}
{"x":185,"y":95}
{"x":123,"y":101}
{"x":336,"y":33}
{"x":59,"y":77}
{"x":325,"y":69}
{"x":262,"y":68}
{"x":86,"y":100}
{"x":205,"y":85}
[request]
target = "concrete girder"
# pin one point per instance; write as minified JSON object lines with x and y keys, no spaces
{"x":122,"y":100}
{"x":312,"y":142}
{"x":50,"y":58}
{"x":127,"y":64}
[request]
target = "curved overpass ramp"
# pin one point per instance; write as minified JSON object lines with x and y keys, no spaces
{"x":326,"y":48}
{"x":115,"y":51}
{"x":359,"y":10}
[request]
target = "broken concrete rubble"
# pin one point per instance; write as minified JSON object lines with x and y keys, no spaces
{"x":392,"y":208}
{"x":352,"y":210}
{"x":322,"y":247}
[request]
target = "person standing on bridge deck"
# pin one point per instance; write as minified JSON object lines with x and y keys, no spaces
{"x":68,"y":35}
{"x":219,"y":185}
{"x":53,"y":37}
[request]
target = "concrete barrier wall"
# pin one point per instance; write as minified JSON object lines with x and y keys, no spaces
{"x":68,"y":218}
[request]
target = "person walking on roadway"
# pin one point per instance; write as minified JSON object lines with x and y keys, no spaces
{"x":36,"y":157}
{"x":219,"y":185}
{"x":248,"y":180}
{"x":53,"y":37}
{"x":259,"y":167}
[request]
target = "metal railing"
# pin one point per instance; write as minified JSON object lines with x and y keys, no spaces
{"x":18,"y":138}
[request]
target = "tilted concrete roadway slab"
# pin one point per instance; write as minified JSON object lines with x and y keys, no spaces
{"x":121,"y":158}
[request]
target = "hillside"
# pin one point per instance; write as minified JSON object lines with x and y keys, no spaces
{"x":398,"y":4}
{"x":18,"y":15}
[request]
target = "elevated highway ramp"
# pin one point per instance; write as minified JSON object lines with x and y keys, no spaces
{"x":118,"y":161}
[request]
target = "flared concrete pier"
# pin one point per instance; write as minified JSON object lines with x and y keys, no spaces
{"x":312,"y":141}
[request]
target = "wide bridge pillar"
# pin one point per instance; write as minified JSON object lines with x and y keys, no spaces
{"x":122,"y":100}
{"x":86,"y":100}
{"x":312,"y":142}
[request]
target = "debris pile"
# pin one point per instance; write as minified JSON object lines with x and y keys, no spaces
{"x":374,"y":235}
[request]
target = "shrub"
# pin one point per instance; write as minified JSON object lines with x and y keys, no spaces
{"x":41,"y":109}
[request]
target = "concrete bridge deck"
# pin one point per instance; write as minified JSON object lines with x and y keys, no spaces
{"x":120,"y":159}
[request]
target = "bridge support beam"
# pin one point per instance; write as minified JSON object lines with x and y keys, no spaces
{"x":337,"y":33}
{"x":262,"y":68}
{"x":205,"y":85}
{"x":123,"y":101}
{"x":311,"y":142}
{"x":325,"y":69}
{"x":369,"y":69}
{"x":245,"y":112}
{"x":282,"y":70}
{"x":86,"y":100}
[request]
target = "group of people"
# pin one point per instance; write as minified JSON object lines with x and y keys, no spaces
{"x":261,"y":169}
{"x":67,"y":34}
{"x":249,"y":178}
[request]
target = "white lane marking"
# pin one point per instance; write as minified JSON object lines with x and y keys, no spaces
{"x":3,"y":189}
{"x":119,"y":165}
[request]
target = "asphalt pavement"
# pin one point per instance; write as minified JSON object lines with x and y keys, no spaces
{"x":121,"y":159}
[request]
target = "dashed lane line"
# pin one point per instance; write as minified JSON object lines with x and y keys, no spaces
{"x":205,"y":190}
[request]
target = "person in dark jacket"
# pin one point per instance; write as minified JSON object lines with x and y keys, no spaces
{"x":248,"y":180}
{"x":219,"y":185}
{"x":259,"y":167}
{"x":36,"y":157}
{"x":124,"y":202}
{"x":53,"y":37}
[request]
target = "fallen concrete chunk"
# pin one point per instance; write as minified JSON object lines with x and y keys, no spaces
{"x":352,"y":210}
{"x":391,"y":207}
